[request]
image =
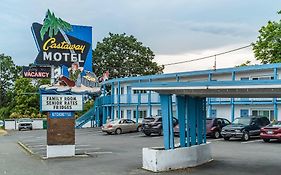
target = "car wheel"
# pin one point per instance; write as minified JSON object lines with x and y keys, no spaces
{"x":246,"y":136}
{"x":226,"y":138}
{"x":217,"y":134}
{"x":139,"y":129}
{"x":147,"y":133}
{"x":266,"y":140}
{"x":160,"y":132}
{"x":118,"y":131}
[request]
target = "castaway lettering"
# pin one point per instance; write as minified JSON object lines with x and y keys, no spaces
{"x":51,"y":43}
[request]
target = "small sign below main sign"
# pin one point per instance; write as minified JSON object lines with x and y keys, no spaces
{"x":36,"y":72}
{"x":61,"y":102}
{"x":56,"y":115}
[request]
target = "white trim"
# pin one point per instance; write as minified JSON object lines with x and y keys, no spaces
{"x":210,"y":87}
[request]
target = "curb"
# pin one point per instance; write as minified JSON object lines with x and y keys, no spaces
{"x":46,"y":158}
{"x":26,"y":148}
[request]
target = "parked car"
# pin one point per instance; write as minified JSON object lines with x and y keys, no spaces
{"x":121,"y":126}
{"x":153,"y":125}
{"x":24,"y":123}
{"x":244,"y":127}
{"x":214,"y":126}
{"x":271,"y":131}
{"x":177,"y":130}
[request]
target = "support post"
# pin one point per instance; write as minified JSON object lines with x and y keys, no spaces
{"x":192,"y":119}
{"x":275,"y":99}
{"x":166,"y":106}
{"x":104,"y":115}
{"x":199,"y":116}
{"x":181,"y":112}
{"x":149,"y":103}
{"x":232,"y":109}
{"x":232,"y":100}
{"x":204,"y":121}
{"x":118,"y":101}
{"x":112,"y":101}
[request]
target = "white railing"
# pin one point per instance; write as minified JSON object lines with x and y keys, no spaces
{"x":155,"y":98}
{"x":144,"y":98}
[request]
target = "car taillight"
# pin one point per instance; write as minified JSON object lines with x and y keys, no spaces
{"x":262,"y":130}
{"x":213,"y":128}
{"x":279,"y":130}
{"x":109,"y":126}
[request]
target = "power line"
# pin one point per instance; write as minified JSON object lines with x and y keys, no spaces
{"x":210,"y":56}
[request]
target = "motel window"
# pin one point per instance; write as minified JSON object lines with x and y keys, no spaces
{"x":142,"y":114}
{"x":264,"y":112}
{"x":244,"y":78}
{"x":122,"y":114}
{"x":139,"y":91}
{"x":263,"y":78}
{"x":159,"y":112}
{"x":213,"y":113}
{"x":122,"y":90}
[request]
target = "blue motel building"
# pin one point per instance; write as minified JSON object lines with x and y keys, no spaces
{"x":119,"y":99}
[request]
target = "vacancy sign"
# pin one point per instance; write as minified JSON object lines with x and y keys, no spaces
{"x":61,"y":102}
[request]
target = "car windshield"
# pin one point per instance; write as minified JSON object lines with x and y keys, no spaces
{"x":275,"y":124}
{"x":242,"y":121}
{"x":25,"y":120}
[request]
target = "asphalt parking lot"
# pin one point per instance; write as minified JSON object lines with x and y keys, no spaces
{"x":122,"y":154}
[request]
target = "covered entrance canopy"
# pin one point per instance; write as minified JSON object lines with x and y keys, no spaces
{"x":191,"y":100}
{"x":191,"y":114}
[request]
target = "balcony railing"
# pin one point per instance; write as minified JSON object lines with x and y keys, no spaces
{"x":155,"y":98}
{"x":240,"y":100}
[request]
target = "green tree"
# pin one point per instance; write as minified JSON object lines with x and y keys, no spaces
{"x":267,"y":48}
{"x":26,"y":99}
{"x":9,"y":72}
{"x":124,"y":56}
{"x":87,"y":106}
{"x":246,"y":63}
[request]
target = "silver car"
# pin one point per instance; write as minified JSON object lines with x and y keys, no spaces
{"x":121,"y":126}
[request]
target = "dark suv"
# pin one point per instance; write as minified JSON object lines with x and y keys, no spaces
{"x":154,"y":125}
{"x":244,"y":127}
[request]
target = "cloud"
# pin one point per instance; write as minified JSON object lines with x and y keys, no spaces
{"x":222,"y":61}
{"x":169,"y":28}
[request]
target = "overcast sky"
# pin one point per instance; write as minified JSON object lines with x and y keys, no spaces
{"x":175,"y":30}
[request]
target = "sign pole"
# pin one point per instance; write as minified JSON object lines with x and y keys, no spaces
{"x":52,"y":74}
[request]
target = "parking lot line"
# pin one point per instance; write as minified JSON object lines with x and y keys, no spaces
{"x":253,"y":141}
{"x":95,"y":152}
{"x":215,"y":140}
{"x":82,"y":149}
{"x":36,"y":146}
{"x":83,"y":145}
